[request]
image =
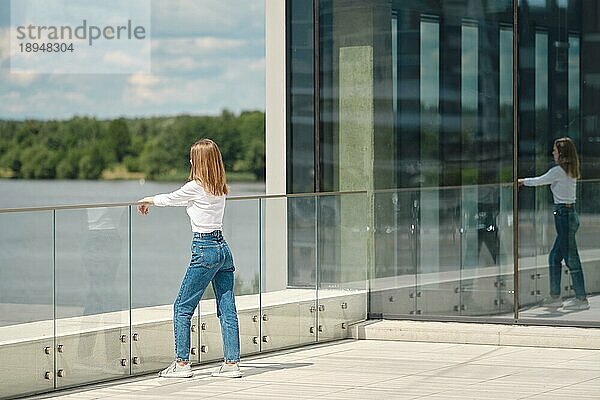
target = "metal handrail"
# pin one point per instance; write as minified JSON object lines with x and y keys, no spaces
{"x":454,"y":187}
{"x":272,"y":196}
{"x":132,"y":203}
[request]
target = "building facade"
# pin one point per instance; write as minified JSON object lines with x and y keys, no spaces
{"x":435,"y":109}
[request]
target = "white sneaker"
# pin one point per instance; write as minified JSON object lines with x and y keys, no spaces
{"x":576,"y":304}
{"x":228,"y":371}
{"x":552,"y":302}
{"x":177,"y":371}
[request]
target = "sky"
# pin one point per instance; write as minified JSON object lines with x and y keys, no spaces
{"x":206,"y":56}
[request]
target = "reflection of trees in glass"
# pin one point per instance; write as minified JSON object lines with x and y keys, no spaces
{"x":155,"y":148}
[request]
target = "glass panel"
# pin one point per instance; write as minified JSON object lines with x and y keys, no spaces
{"x":543,"y":150}
{"x":486,"y":288}
{"x":26,"y":302}
{"x":505,"y":225}
{"x":241,"y":229}
{"x":504,"y":219}
{"x":534,"y":152}
{"x":565,"y":61}
{"x":342,"y":263}
{"x":574,"y":124}
{"x":587,"y":240}
{"x":470,"y":215}
{"x":394,"y":63}
{"x":439,"y":243}
{"x":542,"y":146}
{"x":587,"y":248}
{"x":445,"y":283}
{"x":434,"y":112}
{"x":534,"y":160}
{"x":506,"y":100}
{"x":395,"y":253}
{"x":92,"y":294}
{"x":430,"y":102}
{"x":300,"y":91}
{"x":585,"y":56}
{"x":160,"y":245}
{"x":288,"y":292}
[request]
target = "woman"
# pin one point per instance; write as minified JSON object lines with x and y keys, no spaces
{"x":563,"y":182}
{"x":211,"y":261}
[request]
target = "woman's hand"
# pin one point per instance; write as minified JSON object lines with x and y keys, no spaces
{"x":521,"y":183}
{"x":144,"y":205}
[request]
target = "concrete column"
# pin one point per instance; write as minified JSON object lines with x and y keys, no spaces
{"x":363,"y":60}
{"x":275,"y":210}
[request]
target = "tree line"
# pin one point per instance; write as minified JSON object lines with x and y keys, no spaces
{"x":155,"y":148}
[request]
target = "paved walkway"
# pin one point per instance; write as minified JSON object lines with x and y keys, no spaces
{"x":372,"y":369}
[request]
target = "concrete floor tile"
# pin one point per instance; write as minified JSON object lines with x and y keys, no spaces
{"x":590,"y":365}
{"x":523,"y":388}
{"x":288,"y":389}
{"x":265,"y":396}
{"x":366,"y":393}
{"x":549,"y":377}
{"x":380,"y":369}
{"x":550,"y":396}
{"x":590,"y":355}
{"x":590,"y":384}
{"x":467,"y":393}
{"x":473,"y":371}
{"x":424,"y":383}
{"x":473,"y":396}
{"x":576,"y":390}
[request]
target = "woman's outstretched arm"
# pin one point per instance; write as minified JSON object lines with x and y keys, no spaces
{"x":552,"y":175}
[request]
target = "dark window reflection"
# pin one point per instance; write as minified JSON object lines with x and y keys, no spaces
{"x":416,"y":106}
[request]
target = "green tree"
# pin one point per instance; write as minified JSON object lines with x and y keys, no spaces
{"x":83,"y":147}
{"x":251,"y":131}
{"x":91,"y":164}
{"x":68,"y":166}
{"x":155,"y":159}
{"x":37,"y":162}
{"x":11,"y":159}
{"x":117,"y":140}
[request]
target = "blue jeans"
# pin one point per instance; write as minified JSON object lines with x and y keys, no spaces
{"x":211,"y":262}
{"x":566,"y":222}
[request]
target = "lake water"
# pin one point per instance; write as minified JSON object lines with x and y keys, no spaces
{"x":58,"y":258}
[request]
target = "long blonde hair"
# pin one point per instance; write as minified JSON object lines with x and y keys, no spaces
{"x":207,"y":167}
{"x":567,"y":157}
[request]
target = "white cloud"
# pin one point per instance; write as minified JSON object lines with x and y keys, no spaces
{"x":205,"y":55}
{"x":150,"y":89}
{"x":257,"y":65}
{"x":76,"y":97}
{"x":10,"y":97}
{"x":23,"y":79}
{"x":214,"y":43}
{"x":208,"y":56}
{"x":230,"y":18}
{"x":122,"y":59}
{"x":195,"y":45}
{"x":143,"y":80}
{"x":4,"y":46}
{"x":199,"y":94}
{"x":11,"y":103}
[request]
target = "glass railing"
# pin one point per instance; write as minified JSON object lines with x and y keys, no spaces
{"x":86,"y":292}
{"x":443,"y":252}
{"x":448,"y":253}
{"x":537,"y":234}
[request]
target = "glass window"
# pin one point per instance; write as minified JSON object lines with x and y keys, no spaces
{"x":416,"y":107}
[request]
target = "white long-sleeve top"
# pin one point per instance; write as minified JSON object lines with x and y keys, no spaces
{"x":563,"y":186}
{"x":204,"y":209}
